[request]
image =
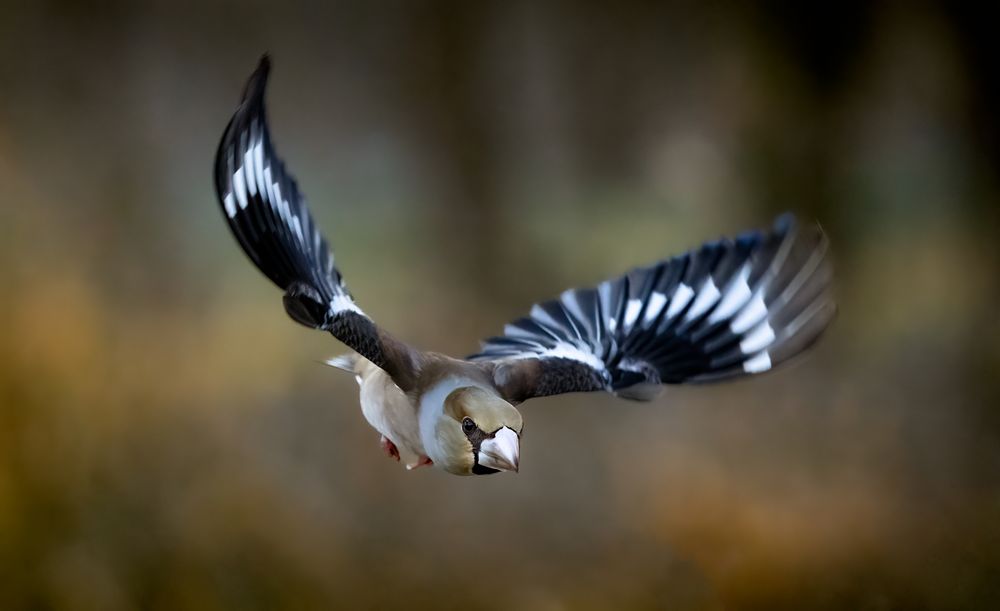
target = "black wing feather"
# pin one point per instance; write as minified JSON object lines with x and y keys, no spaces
{"x":270,"y":219}
{"x":729,"y":308}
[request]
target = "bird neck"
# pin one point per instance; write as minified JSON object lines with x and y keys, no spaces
{"x":430,"y":410}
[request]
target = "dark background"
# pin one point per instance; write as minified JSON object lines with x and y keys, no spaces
{"x":168,"y":440}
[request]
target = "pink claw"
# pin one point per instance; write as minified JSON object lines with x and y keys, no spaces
{"x":389,"y":448}
{"x":423,"y":461}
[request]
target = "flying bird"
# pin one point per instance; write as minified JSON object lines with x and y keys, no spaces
{"x":730,"y":308}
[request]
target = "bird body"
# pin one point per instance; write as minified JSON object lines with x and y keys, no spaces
{"x":728,"y":309}
{"x":386,"y":408}
{"x":408,"y":421}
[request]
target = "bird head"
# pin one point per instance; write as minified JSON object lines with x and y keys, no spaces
{"x":479,"y":433}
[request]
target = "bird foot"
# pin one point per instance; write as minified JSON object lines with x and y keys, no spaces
{"x":389,"y":448}
{"x":423,"y":461}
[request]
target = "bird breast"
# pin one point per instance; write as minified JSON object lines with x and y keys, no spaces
{"x":388,"y":409}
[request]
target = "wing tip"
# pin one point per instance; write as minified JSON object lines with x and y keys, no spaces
{"x":251,"y":104}
{"x":257,"y":83}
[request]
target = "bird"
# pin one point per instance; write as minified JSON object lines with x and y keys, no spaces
{"x":730,"y":308}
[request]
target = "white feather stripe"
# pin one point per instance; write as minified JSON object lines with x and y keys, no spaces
{"x":240,"y":187}
{"x":230,"y":203}
{"x":297,"y":226}
{"x":282,"y":206}
{"x":737,"y":295}
{"x":278,"y":202}
{"x":655,"y":305}
{"x":568,"y":351}
{"x":751,"y":314}
{"x":632,"y":310}
{"x":258,"y":162}
{"x":271,"y":186}
{"x":682,"y":295}
{"x":708,"y":294}
{"x":342,"y":303}
{"x":286,"y":212}
{"x":758,"y":364}
{"x":760,"y":338}
{"x":248,"y":164}
{"x":562,"y":350}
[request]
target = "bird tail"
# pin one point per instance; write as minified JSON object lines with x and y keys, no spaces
{"x":345,"y":362}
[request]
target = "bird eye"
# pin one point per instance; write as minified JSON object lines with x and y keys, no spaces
{"x":468,"y":425}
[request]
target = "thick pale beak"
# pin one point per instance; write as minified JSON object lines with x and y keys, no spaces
{"x":501,"y":452}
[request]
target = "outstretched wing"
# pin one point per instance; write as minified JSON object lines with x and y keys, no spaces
{"x":269,"y":218}
{"x":727,"y":309}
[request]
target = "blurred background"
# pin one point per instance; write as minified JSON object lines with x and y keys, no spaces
{"x":168,"y":439}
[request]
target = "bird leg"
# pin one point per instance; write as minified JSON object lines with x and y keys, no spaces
{"x":423,"y":461}
{"x":389,"y":448}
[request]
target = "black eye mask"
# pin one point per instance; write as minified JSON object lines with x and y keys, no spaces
{"x":477,"y":437}
{"x":478,"y":469}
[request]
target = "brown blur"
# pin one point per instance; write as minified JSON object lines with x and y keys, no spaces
{"x":168,"y":439}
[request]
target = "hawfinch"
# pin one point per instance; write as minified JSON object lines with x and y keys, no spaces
{"x":732,"y":307}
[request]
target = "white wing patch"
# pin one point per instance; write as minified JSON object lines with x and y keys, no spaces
{"x":656,"y":301}
{"x":563,"y":350}
{"x":343,"y":303}
{"x":297,"y":226}
{"x":760,"y":338}
{"x":632,"y":310}
{"x":241,"y":188}
{"x":753,"y":313}
{"x":735,"y":297}
{"x":758,"y":364}
{"x":251,"y":179}
{"x":680,"y":299}
{"x":258,"y":160}
{"x":230,"y":204}
{"x":708,"y":294}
